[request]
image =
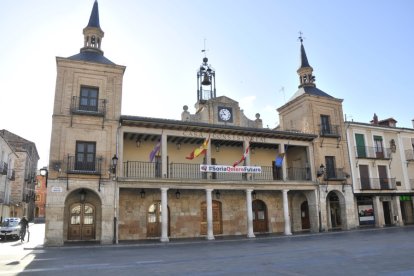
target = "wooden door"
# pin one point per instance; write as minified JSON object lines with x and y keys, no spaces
{"x":335,"y":210}
{"x":364,"y":177}
{"x":304,"y":214}
{"x":383,"y":178}
{"x":217,"y":218}
{"x":387,"y":212}
{"x":260,"y":223}
{"x":360,"y":145}
{"x":154,"y":220}
{"x":82,"y":222}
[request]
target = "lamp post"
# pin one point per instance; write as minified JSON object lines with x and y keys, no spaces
{"x":45,"y":173}
{"x":114,"y":163}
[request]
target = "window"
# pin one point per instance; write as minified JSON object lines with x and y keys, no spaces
{"x":379,"y":149}
{"x":360,"y":145}
{"x":330,"y":167}
{"x":37,"y":197}
{"x":85,"y":156}
{"x":325,"y":125}
{"x":88,"y":100}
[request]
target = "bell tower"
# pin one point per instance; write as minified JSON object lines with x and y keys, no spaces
{"x":206,"y":82}
{"x":306,"y":78}
{"x":93,"y":33}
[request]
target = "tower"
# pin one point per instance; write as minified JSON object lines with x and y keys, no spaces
{"x":87,"y":108}
{"x":206,"y":82}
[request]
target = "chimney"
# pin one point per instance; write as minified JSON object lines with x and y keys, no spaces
{"x":374,"y":121}
{"x":412,"y":121}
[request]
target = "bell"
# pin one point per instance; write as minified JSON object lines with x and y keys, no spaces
{"x":206,"y":80}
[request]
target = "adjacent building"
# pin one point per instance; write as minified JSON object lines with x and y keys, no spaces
{"x":381,"y":158}
{"x":18,"y":165}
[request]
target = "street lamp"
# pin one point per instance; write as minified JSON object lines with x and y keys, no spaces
{"x":45,"y":173}
{"x":114,"y":163}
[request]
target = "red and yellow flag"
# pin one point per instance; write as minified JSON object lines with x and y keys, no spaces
{"x":245,"y":154}
{"x":200,"y":150}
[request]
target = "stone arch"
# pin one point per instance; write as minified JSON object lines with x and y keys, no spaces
{"x":88,"y":200}
{"x":336,"y":210}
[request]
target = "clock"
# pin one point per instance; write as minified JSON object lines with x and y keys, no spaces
{"x":225,"y":114}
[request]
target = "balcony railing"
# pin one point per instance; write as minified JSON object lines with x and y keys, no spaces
{"x":11,"y":174}
{"x":145,"y":170}
{"x":83,"y":167}
{"x":372,"y":152}
{"x":409,"y":155}
{"x":97,"y":110}
{"x":329,"y":130}
{"x":3,"y":167}
{"x":377,"y":184}
{"x":335,"y":174}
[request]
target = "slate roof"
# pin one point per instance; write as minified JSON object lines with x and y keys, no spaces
{"x":91,"y":57}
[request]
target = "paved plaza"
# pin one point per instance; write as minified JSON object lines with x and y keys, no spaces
{"x":386,"y":251}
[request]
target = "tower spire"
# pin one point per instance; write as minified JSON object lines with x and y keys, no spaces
{"x":306,"y":78}
{"x":93,"y":33}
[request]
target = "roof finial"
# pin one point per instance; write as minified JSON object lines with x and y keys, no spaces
{"x":204,"y":50}
{"x":300,"y":37}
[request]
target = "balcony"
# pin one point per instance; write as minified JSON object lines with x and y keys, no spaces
{"x":95,"y":110}
{"x":409,"y":155}
{"x":82,"y":167}
{"x":3,"y":167}
{"x":372,"y":152}
{"x":377,"y":184}
{"x":149,"y":170}
{"x":329,"y":130}
{"x":335,"y":174}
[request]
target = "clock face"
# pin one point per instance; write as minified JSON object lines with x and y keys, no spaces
{"x":225,"y":114}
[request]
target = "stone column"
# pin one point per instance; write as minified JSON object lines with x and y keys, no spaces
{"x":209,"y":201}
{"x":378,"y":211}
{"x":250,"y":233}
{"x":286,"y":213}
{"x":284,"y":168}
{"x":164,"y":215}
{"x":164,"y":154}
{"x":397,"y":207}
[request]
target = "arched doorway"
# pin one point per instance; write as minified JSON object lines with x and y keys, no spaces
{"x":260,"y":223}
{"x":304,"y":215}
{"x":83,"y":216}
{"x":334,"y":211}
{"x":82,"y":221}
{"x":154,"y":224}
{"x":217,"y":218}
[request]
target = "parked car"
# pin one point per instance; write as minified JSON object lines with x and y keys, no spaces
{"x":10,"y":228}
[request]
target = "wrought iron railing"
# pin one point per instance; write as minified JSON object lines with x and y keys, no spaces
{"x":78,"y":108}
{"x":186,"y":171}
{"x":138,"y":169}
{"x":335,"y":174}
{"x":142,"y":170}
{"x":269,"y":173}
{"x":329,"y":130}
{"x":3,"y":167}
{"x":372,"y":152}
{"x":377,"y":184}
{"x":412,"y":184}
{"x":84,"y":167}
{"x":409,"y":155}
{"x":299,"y":174}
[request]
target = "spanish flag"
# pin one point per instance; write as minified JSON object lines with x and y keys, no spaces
{"x":200,"y":150}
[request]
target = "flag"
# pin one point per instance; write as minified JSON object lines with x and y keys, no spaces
{"x":279,"y":159}
{"x":243,"y":157}
{"x":200,"y":150}
{"x":155,"y":151}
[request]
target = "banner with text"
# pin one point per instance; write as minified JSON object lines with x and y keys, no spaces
{"x":230,"y":169}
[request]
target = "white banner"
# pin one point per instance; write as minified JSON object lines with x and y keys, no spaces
{"x":230,"y":169}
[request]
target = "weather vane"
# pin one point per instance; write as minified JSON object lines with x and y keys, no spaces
{"x":204,"y":50}
{"x":300,"y":37}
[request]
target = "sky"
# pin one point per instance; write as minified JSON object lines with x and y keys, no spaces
{"x":360,"y":52}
